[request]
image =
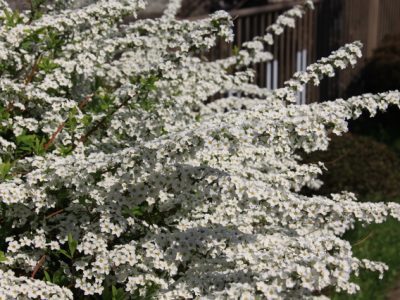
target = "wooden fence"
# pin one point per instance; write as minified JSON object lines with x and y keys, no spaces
{"x":332,"y":24}
{"x":368,"y":21}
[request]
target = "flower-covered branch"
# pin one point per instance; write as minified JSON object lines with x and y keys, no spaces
{"x":120,"y":179}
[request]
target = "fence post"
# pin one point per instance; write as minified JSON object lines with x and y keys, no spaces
{"x":373,"y":24}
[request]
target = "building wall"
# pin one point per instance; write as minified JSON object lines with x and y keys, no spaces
{"x":153,"y":7}
{"x":20,"y":4}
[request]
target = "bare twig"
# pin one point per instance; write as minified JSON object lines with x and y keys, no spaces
{"x":336,"y":159}
{"x":34,"y":70}
{"x":60,"y":127}
{"x":38,"y":266}
{"x":28,"y":79}
{"x":101,"y":122}
{"x":364,"y":239}
{"x":55,"y":213}
{"x":53,"y":136}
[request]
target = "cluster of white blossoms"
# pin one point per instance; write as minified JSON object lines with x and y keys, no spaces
{"x":120,"y":178}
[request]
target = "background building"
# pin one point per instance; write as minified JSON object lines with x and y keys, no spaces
{"x":332,"y":24}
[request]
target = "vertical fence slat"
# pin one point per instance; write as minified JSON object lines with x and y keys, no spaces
{"x":332,"y":24}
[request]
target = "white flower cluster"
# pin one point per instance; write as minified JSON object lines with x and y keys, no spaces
{"x":119,"y":177}
{"x":18,"y":287}
{"x":341,"y":58}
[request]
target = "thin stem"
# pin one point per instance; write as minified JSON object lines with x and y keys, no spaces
{"x":55,"y":213}
{"x":60,"y":127}
{"x":363,"y":240}
{"x":38,"y":266}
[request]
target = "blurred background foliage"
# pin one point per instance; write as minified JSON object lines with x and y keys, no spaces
{"x":381,"y":73}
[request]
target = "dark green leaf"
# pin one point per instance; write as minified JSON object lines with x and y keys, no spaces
{"x":2,"y":256}
{"x":72,"y":244}
{"x":118,"y":294}
{"x":62,"y":251}
{"x":4,"y":170}
{"x":47,"y":276}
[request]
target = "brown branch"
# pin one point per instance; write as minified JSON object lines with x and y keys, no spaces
{"x":28,"y":79}
{"x":31,"y":13}
{"x":38,"y":266}
{"x":336,"y":159}
{"x":55,"y":213}
{"x":363,"y":240}
{"x":53,"y":136}
{"x":60,"y":127}
{"x":85,"y":101}
{"x":10,"y":107}
{"x":34,"y":70}
{"x":99,"y":123}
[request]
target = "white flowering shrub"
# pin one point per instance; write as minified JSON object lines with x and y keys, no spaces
{"x":120,"y":180}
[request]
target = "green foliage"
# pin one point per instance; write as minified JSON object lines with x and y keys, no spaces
{"x":113,"y":293}
{"x":36,"y":8}
{"x":65,"y":253}
{"x":151,"y":291}
{"x":380,"y":73}
{"x":72,"y":121}
{"x":360,"y":165}
{"x":101,"y":102}
{"x":4,"y":115}
{"x":30,"y":144}
{"x":2,"y":257}
{"x":137,"y":211}
{"x":47,"y":276}
{"x":65,"y":150}
{"x":5,"y":170}
{"x":58,"y":277}
{"x":46,"y":64}
{"x":44,"y":40}
{"x":72,"y":245}
{"x":11,"y":19}
{"x":380,"y":242}
{"x":32,"y":39}
{"x":147,"y":84}
{"x":372,"y":170}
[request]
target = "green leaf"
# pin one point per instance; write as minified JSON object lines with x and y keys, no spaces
{"x":30,"y":143}
{"x":59,"y":277}
{"x":5,"y":170}
{"x":152,"y":291}
{"x":47,"y":276}
{"x":4,"y":114}
{"x":118,"y":294}
{"x":107,"y":294}
{"x":72,"y":244}
{"x":147,"y":104}
{"x":235,"y":50}
{"x":65,"y":150}
{"x":26,"y":139}
{"x":47,"y":65}
{"x":38,"y":146}
{"x":87,"y":120}
{"x":114,"y":292}
{"x":136,"y":211}
{"x":64,"y":252}
{"x":12,"y":19}
{"x":2,"y":256}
